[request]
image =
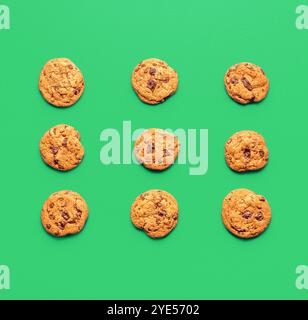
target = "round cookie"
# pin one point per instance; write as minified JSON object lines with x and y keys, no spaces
{"x":60,"y":147}
{"x":61,"y":82}
{"x":246,"y":83}
{"x":246,"y":151}
{"x":154,"y":81}
{"x":156,"y":149}
{"x":64,"y":213}
{"x":155,"y":212}
{"x":245,"y":214}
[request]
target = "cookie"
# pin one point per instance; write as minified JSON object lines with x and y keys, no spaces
{"x":246,"y":151}
{"x":246,"y":83}
{"x":154,"y":81}
{"x":156,"y":149}
{"x":61,"y":82}
{"x":60,"y":147}
{"x":64,"y":213}
{"x":155,"y":212}
{"x":245,"y":214}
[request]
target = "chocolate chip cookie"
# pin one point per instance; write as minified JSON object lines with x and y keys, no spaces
{"x":60,"y":147}
{"x":64,"y":213}
{"x":156,"y":149}
{"x":154,"y":81}
{"x":246,"y":83}
{"x":155,"y":212}
{"x":245,"y":214}
{"x":246,"y":151}
{"x":61,"y":82}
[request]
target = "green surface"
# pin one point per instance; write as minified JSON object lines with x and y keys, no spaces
{"x":110,"y":258}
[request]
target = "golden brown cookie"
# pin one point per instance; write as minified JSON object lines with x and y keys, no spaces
{"x":61,"y":82}
{"x":64,"y":213}
{"x":246,"y":83}
{"x":60,"y":147}
{"x":154,"y":81}
{"x":155,"y":212}
{"x":156,"y":149}
{"x":245,"y":214}
{"x":246,"y":151}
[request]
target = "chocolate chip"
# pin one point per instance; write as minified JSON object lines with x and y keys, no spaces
{"x":70,"y":66}
{"x":259,"y":216}
{"x":247,"y":153}
{"x":234,"y":81}
{"x":151,"y":84}
{"x":238,"y":228}
{"x":261,"y":153}
{"x":61,"y":225}
{"x":152,"y":71}
{"x":161,"y":213}
{"x":246,"y":84}
{"x":76,"y":91}
{"x":51,"y":205}
{"x":262,"y":199}
{"x":54,"y":150}
{"x":61,"y":202}
{"x":52,"y":217}
{"x":64,"y":143}
{"x":78,"y":213}
{"x":65,"y":215}
{"x":48,"y":226}
{"x":246,"y":214}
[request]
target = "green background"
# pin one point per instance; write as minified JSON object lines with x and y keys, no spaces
{"x":110,"y":259}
